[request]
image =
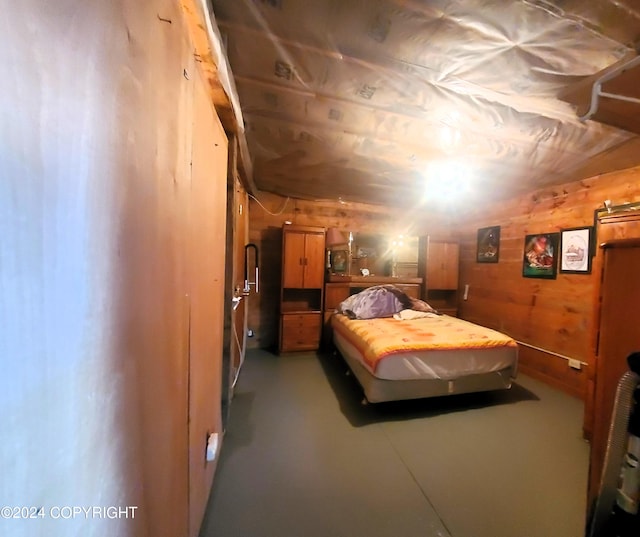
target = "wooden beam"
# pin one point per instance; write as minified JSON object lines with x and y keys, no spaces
{"x":205,"y":58}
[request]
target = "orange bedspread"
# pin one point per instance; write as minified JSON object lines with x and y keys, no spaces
{"x":379,"y":338}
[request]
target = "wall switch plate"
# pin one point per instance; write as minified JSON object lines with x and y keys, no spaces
{"x":212,"y":446}
{"x":575,"y":364}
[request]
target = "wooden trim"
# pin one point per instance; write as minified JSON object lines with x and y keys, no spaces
{"x":374,"y":280}
{"x":552,"y":353}
{"x":617,"y":213}
{"x":205,"y":57}
{"x":303,"y":229}
{"x":621,"y":243}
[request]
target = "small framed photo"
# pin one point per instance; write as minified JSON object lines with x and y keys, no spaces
{"x":488,"y":245}
{"x":575,"y":250}
{"x":540,"y":258}
{"x":366,"y":252}
{"x":339,"y":259}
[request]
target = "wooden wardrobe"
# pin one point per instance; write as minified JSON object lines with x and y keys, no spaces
{"x":617,"y":326}
{"x":438,"y":265}
{"x":303,"y":265}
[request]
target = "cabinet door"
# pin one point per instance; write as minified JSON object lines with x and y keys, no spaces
{"x":314,"y":261}
{"x":619,"y":337}
{"x":293,"y":260}
{"x":442,"y":265}
{"x":334,"y":293}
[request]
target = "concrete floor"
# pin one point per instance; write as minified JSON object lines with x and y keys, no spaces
{"x":302,"y":457}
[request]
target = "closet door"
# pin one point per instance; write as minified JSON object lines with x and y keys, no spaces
{"x":619,"y":336}
{"x":442,"y":264}
{"x":438,"y":261}
{"x":314,"y":260}
{"x":303,"y":259}
{"x":293,"y":259}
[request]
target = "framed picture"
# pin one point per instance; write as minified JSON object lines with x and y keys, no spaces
{"x":575,"y":250}
{"x":488,"y":244}
{"x":366,"y":252}
{"x":540,"y":258}
{"x":339,"y":260}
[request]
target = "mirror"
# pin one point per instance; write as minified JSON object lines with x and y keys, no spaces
{"x":383,"y":255}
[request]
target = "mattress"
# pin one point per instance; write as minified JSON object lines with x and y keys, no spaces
{"x":432,"y":347}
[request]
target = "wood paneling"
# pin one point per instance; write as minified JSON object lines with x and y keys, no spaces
{"x":238,"y":239}
{"x":554,"y":372}
{"x":554,"y":315}
{"x":207,"y":219}
{"x":97,"y":279}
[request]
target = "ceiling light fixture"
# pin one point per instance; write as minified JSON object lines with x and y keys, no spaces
{"x":447,"y":181}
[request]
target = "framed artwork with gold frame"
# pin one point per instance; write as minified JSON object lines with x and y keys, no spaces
{"x":540,"y":259}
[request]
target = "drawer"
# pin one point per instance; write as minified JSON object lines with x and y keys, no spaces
{"x":301,"y":322}
{"x":299,"y":332}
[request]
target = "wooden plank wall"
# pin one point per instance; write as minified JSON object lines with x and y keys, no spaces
{"x":266,"y":219}
{"x":229,"y":348}
{"x":234,"y":340}
{"x":206,"y":265}
{"x":104,"y":263}
{"x":554,"y":315}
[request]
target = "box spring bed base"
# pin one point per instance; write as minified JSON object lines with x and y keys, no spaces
{"x":381,"y":390}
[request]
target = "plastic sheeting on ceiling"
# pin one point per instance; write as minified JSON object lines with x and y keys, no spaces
{"x":406,"y":102}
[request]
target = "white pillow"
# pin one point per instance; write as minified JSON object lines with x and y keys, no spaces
{"x":413,"y":314}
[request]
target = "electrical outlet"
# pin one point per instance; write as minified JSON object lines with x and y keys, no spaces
{"x":575,"y":364}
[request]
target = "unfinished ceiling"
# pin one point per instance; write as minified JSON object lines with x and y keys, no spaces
{"x":405,"y":102}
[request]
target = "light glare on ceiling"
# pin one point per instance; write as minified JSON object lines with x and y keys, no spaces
{"x":447,"y":181}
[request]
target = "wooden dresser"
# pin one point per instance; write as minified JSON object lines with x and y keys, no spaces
{"x":337,"y":288}
{"x":303,"y":268}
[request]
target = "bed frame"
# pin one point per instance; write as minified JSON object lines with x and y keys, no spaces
{"x":380,"y":390}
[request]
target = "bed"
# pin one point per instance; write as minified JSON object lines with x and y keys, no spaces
{"x":410,"y":354}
